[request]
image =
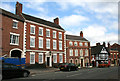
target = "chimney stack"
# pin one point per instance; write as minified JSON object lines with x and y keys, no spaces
{"x":56,"y":21}
{"x":104,"y":44}
{"x":18,"y":9}
{"x":108,"y":45}
{"x":97,"y":44}
{"x":81,"y":34}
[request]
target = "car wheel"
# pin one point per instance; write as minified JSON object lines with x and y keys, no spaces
{"x":25,"y":74}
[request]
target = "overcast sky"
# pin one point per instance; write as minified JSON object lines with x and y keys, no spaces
{"x":97,"y":19}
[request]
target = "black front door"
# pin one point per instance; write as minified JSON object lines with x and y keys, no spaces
{"x":48,"y":61}
{"x":81,"y":62}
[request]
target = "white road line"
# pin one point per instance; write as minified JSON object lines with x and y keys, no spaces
{"x":73,"y":75}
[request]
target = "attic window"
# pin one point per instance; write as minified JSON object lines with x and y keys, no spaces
{"x":15,"y":24}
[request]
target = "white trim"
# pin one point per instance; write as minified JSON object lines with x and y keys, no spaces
{"x":46,"y":43}
{"x":55,"y":34}
{"x":46,"y":32}
{"x":62,"y":58}
{"x":32,"y":53}
{"x":77,"y":40}
{"x":55,"y":46}
{"x":15,"y":20}
{"x":61,"y":35}
{"x":22,"y":53}
{"x":40,"y":38}
{"x":75,"y":52}
{"x":34,"y":29}
{"x":39,"y":31}
{"x":70,"y":50}
{"x":24,"y":39}
{"x":55,"y":57}
{"x":15,"y":35}
{"x":34,"y":42}
{"x":44,"y":25}
{"x":60,"y":42}
{"x":70,"y":60}
{"x":42,"y":58}
{"x":43,"y":51}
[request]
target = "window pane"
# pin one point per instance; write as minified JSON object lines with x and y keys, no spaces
{"x":60,"y":58}
{"x":40,"y":32}
{"x":14,"y":24}
{"x":40,"y":58}
{"x":47,"y":33}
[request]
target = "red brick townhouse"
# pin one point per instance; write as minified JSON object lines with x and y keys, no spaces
{"x":114,"y":54}
{"x":77,"y":50}
{"x":11,"y":31}
{"x":44,"y":40}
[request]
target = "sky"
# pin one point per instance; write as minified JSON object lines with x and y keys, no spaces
{"x":97,"y":19}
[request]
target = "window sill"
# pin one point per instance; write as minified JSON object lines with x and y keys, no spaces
{"x":14,"y":44}
{"x":15,"y":27}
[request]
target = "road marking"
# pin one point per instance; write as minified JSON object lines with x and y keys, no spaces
{"x":73,"y":75}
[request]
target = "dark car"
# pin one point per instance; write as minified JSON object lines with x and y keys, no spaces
{"x":68,"y":66}
{"x":11,"y":70}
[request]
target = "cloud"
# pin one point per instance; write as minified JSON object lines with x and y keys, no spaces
{"x":72,"y":20}
{"x":96,"y":33}
{"x":7,"y":7}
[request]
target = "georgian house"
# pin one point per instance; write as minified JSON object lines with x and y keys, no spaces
{"x":11,"y":31}
{"x":77,"y":50}
{"x":99,"y":53}
{"x":114,"y":54}
{"x":44,"y":40}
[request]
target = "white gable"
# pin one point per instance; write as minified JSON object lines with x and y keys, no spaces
{"x":103,"y":50}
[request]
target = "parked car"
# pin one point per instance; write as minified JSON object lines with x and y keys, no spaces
{"x":11,"y":70}
{"x":103,"y":64}
{"x":68,"y":66}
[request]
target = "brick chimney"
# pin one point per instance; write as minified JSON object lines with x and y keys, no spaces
{"x":108,"y":45}
{"x":56,"y":21}
{"x":98,"y":44}
{"x":18,"y":9}
{"x":104,"y":44}
{"x":81,"y":34}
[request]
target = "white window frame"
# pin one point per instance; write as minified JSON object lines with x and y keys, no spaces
{"x":46,"y":32}
{"x":71,"y":52}
{"x":75,"y":44}
{"x":80,"y":44}
{"x":86,"y":52}
{"x":40,"y":38}
{"x":17,"y":24}
{"x":30,"y":41}
{"x":55,"y":34}
{"x":49,"y":43}
{"x":70,"y":43}
{"x":86,"y":44}
{"x":34,"y":29}
{"x":39,"y":58}
{"x":55,"y":56}
{"x":81,"y":54}
{"x":55,"y":44}
{"x":59,"y":58}
{"x":60,"y":42}
{"x":60,"y":33}
{"x":12,"y":38}
{"x":76,"y":52}
{"x":32,"y":53}
{"x":39,"y":31}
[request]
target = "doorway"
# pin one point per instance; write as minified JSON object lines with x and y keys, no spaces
{"x":81,"y":62}
{"x":16,"y":53}
{"x":48,"y":61}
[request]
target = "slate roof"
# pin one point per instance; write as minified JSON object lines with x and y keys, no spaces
{"x":97,"y":49}
{"x":73,"y":37}
{"x":42,"y":21}
{"x":9,"y":14}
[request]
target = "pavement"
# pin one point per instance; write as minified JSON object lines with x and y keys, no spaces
{"x":41,"y":70}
